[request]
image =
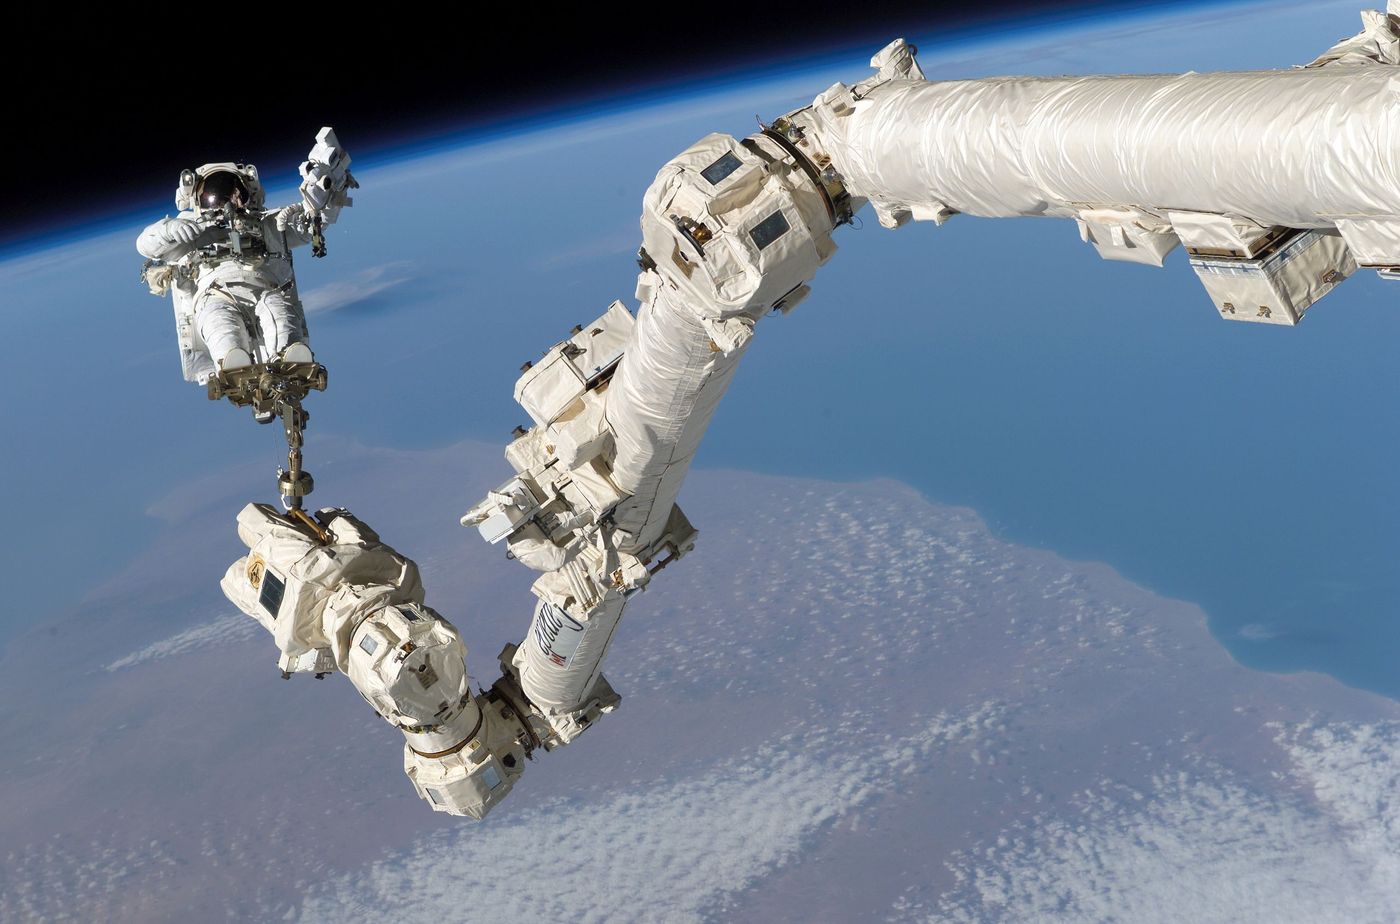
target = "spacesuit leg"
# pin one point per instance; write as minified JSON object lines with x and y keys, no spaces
{"x":282,"y":320}
{"x":221,"y":326}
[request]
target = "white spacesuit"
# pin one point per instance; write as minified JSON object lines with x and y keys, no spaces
{"x":228,"y":262}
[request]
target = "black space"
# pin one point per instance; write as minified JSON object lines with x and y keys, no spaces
{"x":126,"y":104}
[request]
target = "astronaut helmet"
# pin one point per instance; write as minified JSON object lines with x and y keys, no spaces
{"x":213,"y":186}
{"x":221,"y":187}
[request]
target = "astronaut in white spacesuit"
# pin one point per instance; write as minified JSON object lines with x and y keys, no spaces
{"x":228,"y":262}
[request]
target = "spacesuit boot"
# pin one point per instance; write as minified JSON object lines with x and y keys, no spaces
{"x":236,"y":371}
{"x":237,"y":375}
{"x":297,"y":352}
{"x":235,"y":359}
{"x":297,"y":365}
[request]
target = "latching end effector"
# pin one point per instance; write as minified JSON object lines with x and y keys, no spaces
{"x":338,"y":600}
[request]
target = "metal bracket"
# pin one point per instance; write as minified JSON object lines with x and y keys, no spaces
{"x":276,"y":389}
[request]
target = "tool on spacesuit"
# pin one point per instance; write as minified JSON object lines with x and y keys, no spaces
{"x":242,"y":232}
{"x":325,"y":184}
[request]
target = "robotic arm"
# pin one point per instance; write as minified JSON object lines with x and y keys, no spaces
{"x":337,"y":600}
{"x":1279,"y":184}
{"x":619,"y":410}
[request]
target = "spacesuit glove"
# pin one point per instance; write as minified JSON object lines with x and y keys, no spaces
{"x":182,"y":230}
{"x":291,"y":216}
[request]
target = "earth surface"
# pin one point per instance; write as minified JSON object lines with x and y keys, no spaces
{"x":930,"y":661}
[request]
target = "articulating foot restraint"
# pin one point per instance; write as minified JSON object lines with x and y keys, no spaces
{"x":277,"y":389}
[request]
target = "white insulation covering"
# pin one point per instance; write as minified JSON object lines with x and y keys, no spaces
{"x":562,"y":657}
{"x":699,"y":308}
{"x":659,"y":407}
{"x":1303,"y":149}
{"x":1296,"y":148}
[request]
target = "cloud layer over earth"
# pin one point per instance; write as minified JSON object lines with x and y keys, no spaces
{"x":226,"y":628}
{"x":848,"y":704}
{"x":359,"y":288}
{"x":688,"y":845}
{"x":1197,"y":845}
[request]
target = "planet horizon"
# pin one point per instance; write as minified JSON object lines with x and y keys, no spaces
{"x":1055,"y":597}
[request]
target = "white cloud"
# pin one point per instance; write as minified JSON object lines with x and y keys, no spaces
{"x":1201,"y":847}
{"x":365,"y":284}
{"x":56,"y":879}
{"x":221,"y":631}
{"x":1257,"y":632}
{"x":607,"y":245}
{"x":707,"y":837}
{"x":1354,"y":772}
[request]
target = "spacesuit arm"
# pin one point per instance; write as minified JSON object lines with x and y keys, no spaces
{"x":297,"y":223}
{"x":169,"y":239}
{"x":326,"y":182}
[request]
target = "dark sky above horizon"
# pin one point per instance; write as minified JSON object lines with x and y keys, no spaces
{"x":118,"y":119}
